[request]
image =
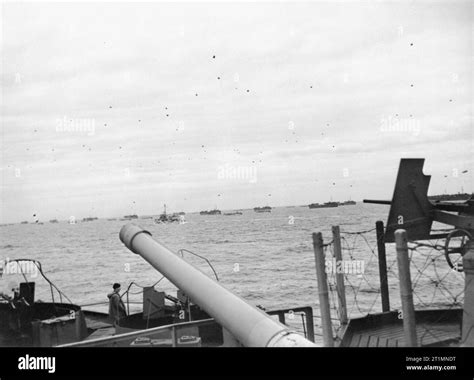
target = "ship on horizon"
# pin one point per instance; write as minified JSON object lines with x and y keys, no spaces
{"x":89,"y":219}
{"x":167,"y":218}
{"x":263,"y":209}
{"x":450,"y":197}
{"x":211,"y":212}
{"x":347,"y":203}
{"x":324,"y":205}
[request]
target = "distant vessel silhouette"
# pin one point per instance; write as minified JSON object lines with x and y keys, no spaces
{"x":324,"y":205}
{"x":450,"y":197}
{"x":263,"y":209}
{"x":89,"y":219}
{"x":347,"y":203}
{"x":211,"y":212}
{"x":168,"y":218}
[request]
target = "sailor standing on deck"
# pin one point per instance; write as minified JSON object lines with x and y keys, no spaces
{"x":116,"y":305}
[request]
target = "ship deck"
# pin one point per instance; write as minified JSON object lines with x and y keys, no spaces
{"x":434,"y":328}
{"x":100,"y":323}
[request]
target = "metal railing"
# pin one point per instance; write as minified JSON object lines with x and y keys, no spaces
{"x":201,"y":257}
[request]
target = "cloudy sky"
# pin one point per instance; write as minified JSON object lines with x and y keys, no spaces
{"x":114,"y":108}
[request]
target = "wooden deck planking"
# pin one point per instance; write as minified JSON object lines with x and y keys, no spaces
{"x":355,"y":340}
{"x":393,"y":335}
{"x":382,"y":342}
{"x":373,"y":341}
{"x":392,"y":343}
{"x":364,"y":340}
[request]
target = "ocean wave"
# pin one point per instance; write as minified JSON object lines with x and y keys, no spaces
{"x":9,"y":246}
{"x":221,"y":241}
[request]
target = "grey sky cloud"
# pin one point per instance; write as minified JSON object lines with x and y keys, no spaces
{"x":298,"y":91}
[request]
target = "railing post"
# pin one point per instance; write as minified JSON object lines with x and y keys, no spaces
{"x":406,"y":292}
{"x":382,"y":265}
{"x":174,"y":337}
{"x":281,"y":317}
{"x":468,"y":309}
{"x":341,"y":291}
{"x":323,"y":289}
{"x":309,"y":323}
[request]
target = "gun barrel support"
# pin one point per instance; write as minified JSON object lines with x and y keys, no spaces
{"x":251,"y":326}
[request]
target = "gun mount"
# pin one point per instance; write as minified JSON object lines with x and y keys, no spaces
{"x":413,"y":211}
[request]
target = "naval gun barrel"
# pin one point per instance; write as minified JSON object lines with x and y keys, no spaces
{"x":249,"y":325}
{"x":377,"y":202}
